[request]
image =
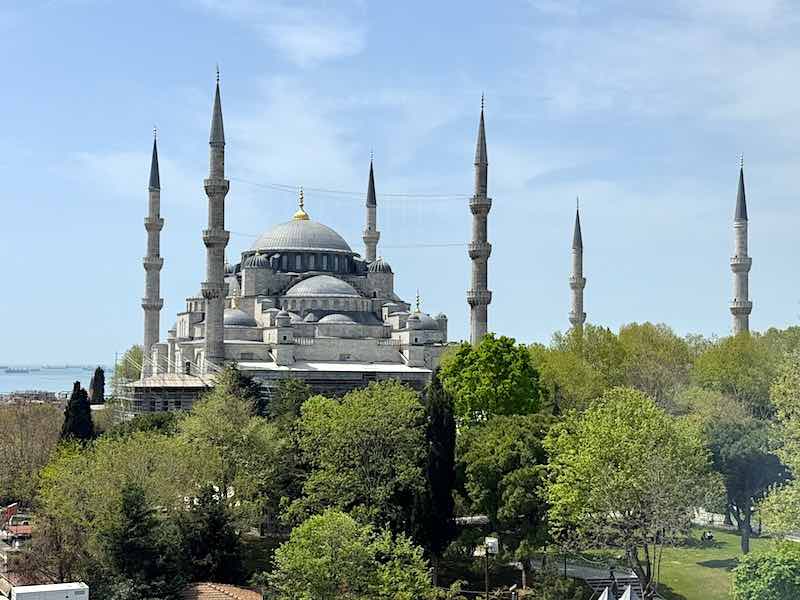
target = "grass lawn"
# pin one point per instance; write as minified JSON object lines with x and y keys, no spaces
{"x":702,"y":572}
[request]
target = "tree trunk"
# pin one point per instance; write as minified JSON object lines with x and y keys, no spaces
{"x":746,"y":529}
{"x":435,"y":569}
{"x":727,"y":520}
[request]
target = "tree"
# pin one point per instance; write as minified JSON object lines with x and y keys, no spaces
{"x":579,"y":366}
{"x":367,"y":453}
{"x":129,"y":367}
{"x":769,"y":575}
{"x":657,"y":362}
{"x":781,"y":509}
{"x":139,"y":555}
{"x":496,"y":377}
{"x":625,"y":473}
{"x":29,"y":434}
{"x":212,"y":547}
{"x":97,"y":387}
{"x":287,"y":401}
{"x":741,"y":367}
{"x":743,"y":453}
{"x":243,"y":387}
{"x":165,"y":422}
{"x":248,"y":450}
{"x":504,"y":468}
{"x":434,"y":527}
{"x":78,"y":416}
{"x":333,"y":557}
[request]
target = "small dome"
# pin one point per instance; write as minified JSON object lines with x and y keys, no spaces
{"x":379,"y":266}
{"x":235,"y":317}
{"x":295,"y":317}
{"x":322,"y":286}
{"x":337,"y":318}
{"x":441,"y":317}
{"x":310,"y":318}
{"x":283,"y":319}
{"x":420,"y":320}
{"x":257,"y":261}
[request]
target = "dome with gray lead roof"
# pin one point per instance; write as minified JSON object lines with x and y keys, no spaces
{"x":337,"y":318}
{"x":235,"y":317}
{"x":322,"y":286}
{"x":300,"y":234}
{"x":257,"y":261}
{"x":379,"y":266}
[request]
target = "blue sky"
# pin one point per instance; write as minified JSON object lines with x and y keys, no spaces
{"x":639,"y":108}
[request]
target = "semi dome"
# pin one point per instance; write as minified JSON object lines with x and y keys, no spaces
{"x":257,"y":261}
{"x":322,"y":286}
{"x":379,"y":266}
{"x":302,"y":234}
{"x":235,"y":317}
{"x":420,"y":320}
{"x":337,"y":318}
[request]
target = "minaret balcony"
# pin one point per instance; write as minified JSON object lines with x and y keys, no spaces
{"x":216,"y":187}
{"x":153,"y":224}
{"x":577,"y":318}
{"x":211,"y":290}
{"x":479,"y":297}
{"x":215,"y":237}
{"x":371,"y":236}
{"x":577,"y":283}
{"x":480,"y":205}
{"x":152,"y":263}
{"x":480,"y":250}
{"x":741,"y":264}
{"x":149,"y":304}
{"x":741,"y":308}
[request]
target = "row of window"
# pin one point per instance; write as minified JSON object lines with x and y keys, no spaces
{"x":316,"y":262}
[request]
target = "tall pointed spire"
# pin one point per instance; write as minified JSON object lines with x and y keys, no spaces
{"x":741,"y":306}
{"x":155,"y":179}
{"x":479,"y":296}
{"x":577,"y":238}
{"x":217,"y":129}
{"x":152,"y":301}
{"x":215,"y":238}
{"x":741,"y":201}
{"x":577,"y":281}
{"x":371,"y":233}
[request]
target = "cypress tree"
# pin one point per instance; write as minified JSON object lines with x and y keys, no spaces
{"x":434,"y":510}
{"x":97,"y":387}
{"x":78,"y":416}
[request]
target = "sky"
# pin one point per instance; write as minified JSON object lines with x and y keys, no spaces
{"x":641,"y":109}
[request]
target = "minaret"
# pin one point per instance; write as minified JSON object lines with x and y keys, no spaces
{"x":153,"y":224}
{"x":371,"y":233}
{"x":215,"y":238}
{"x":479,"y":296}
{"x":577,"y":282}
{"x":741,"y":306}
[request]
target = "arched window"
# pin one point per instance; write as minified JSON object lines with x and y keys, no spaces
{"x":336,"y":262}
{"x":298,"y":262}
{"x":324,"y":262}
{"x":285,"y":262}
{"x":311,"y":262}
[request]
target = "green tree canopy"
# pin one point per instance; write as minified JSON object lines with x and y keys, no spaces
{"x":496,"y":377}
{"x":332,"y":557}
{"x":657,"y":362}
{"x":741,"y":367}
{"x":625,"y":472}
{"x":504,"y":466}
{"x":366,"y":452}
{"x":129,"y":366}
{"x":769,"y":575}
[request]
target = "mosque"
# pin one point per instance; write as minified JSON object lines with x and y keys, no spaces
{"x":301,"y":303}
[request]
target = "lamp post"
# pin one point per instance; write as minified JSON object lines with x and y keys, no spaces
{"x":490,"y":546}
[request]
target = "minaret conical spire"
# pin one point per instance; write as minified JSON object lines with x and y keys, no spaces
{"x":155,"y":178}
{"x":371,"y":233}
{"x":217,"y":129}
{"x":577,"y":238}
{"x":741,"y":201}
{"x":481,"y":157}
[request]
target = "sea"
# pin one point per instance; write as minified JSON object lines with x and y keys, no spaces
{"x":47,"y":379}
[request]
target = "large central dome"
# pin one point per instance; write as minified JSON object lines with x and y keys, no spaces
{"x":301,"y":234}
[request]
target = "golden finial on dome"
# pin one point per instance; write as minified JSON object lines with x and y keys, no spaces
{"x":301,"y":215}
